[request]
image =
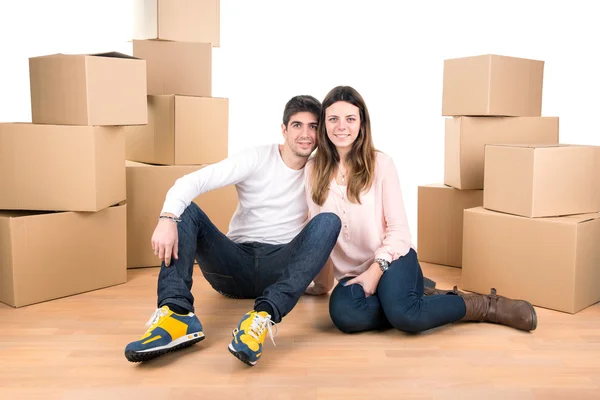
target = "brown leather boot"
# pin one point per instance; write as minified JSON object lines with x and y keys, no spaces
{"x":427,"y":291}
{"x":518,"y":314}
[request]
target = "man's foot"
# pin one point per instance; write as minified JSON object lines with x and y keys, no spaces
{"x":249,"y":336}
{"x":167,"y":331}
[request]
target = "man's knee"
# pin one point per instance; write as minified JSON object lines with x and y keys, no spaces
{"x":192,"y":210}
{"x":328,"y":222}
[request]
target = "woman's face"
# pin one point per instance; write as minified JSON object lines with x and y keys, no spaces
{"x":342,"y":122}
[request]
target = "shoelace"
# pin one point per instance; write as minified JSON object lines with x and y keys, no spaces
{"x":158,"y":314}
{"x":259,"y":323}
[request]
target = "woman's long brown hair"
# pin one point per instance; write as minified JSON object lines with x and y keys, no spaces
{"x":360,"y":159}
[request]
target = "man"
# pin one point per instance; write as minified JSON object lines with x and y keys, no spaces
{"x":271,"y":252}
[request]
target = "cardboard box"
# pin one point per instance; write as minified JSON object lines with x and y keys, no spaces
{"x":176,"y":67}
{"x":61,"y":168}
{"x":181,"y":130}
{"x":542,"y":180}
{"x":492,"y":85}
{"x":179,"y":20}
{"x":440,"y":222}
{"x":550,"y":262}
{"x":46,"y":256}
{"x":466,"y":138}
{"x":147,"y":186}
{"x":97,"y":89}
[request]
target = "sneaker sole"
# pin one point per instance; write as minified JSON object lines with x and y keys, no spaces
{"x":136,"y":356}
{"x":243,"y":357}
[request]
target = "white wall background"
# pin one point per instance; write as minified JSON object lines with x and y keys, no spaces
{"x":392,"y":52}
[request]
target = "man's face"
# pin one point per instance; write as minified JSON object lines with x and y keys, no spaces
{"x":301,"y":133}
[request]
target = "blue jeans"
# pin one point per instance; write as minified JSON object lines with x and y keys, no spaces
{"x":398,"y":302}
{"x":277,"y":274}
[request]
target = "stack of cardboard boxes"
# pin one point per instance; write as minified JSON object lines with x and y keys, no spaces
{"x":63,"y":224}
{"x":187,"y":128}
{"x":520,"y":210}
{"x":488,"y":99}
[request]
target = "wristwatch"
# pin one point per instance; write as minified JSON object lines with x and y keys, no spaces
{"x":383,"y":264}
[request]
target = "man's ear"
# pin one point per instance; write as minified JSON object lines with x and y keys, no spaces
{"x":284,"y":131}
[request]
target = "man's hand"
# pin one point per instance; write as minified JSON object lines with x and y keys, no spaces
{"x":165,"y":241}
{"x":368,"y":279}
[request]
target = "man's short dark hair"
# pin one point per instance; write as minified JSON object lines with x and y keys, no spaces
{"x":301,"y":103}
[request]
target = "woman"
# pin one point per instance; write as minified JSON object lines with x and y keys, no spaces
{"x":380,"y":279}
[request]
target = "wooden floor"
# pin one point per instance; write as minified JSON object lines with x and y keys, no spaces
{"x":72,"y":348}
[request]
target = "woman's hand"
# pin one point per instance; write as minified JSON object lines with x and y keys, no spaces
{"x":368,"y":279}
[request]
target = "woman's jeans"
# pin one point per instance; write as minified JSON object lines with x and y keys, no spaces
{"x":398,"y":302}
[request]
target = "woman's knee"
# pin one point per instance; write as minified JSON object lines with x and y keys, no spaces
{"x":341,"y":308}
{"x":405,"y":321}
{"x":350,"y":311}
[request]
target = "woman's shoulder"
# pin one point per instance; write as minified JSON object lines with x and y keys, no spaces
{"x":382,"y":159}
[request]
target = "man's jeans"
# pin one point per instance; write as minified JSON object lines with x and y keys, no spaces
{"x":398,"y":302}
{"x":277,"y":274}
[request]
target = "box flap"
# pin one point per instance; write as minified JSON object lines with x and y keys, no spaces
{"x":129,"y":163}
{"x":21,"y":214}
{"x":579,"y":218}
{"x":114,"y":54}
{"x":528,"y":145}
{"x":436,"y":186}
{"x":567,"y":219}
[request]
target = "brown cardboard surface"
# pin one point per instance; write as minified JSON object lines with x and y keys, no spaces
{"x":550,"y":262}
{"x":542,"y":180}
{"x":147,"y":186}
{"x":178,"y":20}
{"x":102,"y":89}
{"x":440,"y":222}
{"x":182,"y":130}
{"x":176,"y":67}
{"x":61,"y":168}
{"x":466,"y":138}
{"x":492,"y":85}
{"x":46,"y":256}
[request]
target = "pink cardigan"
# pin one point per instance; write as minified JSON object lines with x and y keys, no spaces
{"x":377,"y":228}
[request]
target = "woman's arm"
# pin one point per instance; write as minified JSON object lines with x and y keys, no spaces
{"x":397,"y":240}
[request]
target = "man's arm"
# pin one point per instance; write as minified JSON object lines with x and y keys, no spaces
{"x":165,"y":240}
{"x":227,"y":172}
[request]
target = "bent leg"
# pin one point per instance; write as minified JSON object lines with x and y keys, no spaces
{"x":287,"y":272}
{"x":221,"y":260}
{"x":400,"y":291}
{"x":351,"y":311}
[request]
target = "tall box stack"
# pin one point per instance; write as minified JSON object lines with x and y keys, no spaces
{"x":535,"y":235}
{"x":487,"y":99}
{"x":63,"y":218}
{"x":187,"y":128}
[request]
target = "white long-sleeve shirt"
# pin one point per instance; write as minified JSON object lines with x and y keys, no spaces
{"x":272,"y":204}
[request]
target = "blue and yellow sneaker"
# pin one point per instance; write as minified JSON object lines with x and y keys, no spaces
{"x":167,"y":331}
{"x":249,"y":336}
